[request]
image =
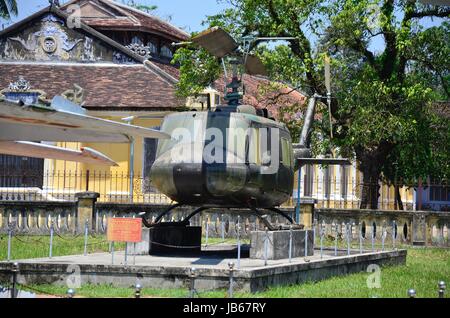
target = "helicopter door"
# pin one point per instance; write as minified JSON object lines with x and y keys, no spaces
{"x":285,"y":173}
{"x":269,"y":179}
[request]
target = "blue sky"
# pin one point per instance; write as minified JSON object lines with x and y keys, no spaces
{"x":186,"y":14}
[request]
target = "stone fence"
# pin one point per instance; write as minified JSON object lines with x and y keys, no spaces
{"x":407,"y":227}
{"x":420,"y":228}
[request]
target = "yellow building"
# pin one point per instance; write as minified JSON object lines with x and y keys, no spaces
{"x":116,"y":63}
{"x":340,"y":187}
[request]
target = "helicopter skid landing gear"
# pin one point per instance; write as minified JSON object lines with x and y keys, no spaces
{"x":255,"y":211}
{"x":270,"y":227}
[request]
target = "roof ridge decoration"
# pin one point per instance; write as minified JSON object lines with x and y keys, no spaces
{"x":86,"y":28}
{"x":22,"y":90}
{"x":150,"y":16}
{"x":21,"y":85}
{"x":131,"y":13}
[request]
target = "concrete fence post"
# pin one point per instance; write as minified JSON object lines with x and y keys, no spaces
{"x":442,"y":287}
{"x":419,"y":229}
{"x":192,"y":283}
{"x":137,"y":291}
{"x":70,"y":293}
{"x":230,"y":287}
{"x":14,"y":271}
{"x":86,"y":210}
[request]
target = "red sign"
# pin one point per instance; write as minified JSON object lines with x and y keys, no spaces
{"x":124,"y":230}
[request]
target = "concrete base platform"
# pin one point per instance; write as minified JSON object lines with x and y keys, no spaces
{"x":212,"y":270}
{"x":278,"y":244}
{"x":172,"y":238}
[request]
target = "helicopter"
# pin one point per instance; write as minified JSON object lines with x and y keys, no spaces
{"x":236,"y":156}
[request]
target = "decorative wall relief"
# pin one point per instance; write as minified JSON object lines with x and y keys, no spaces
{"x":29,"y":45}
{"x":49,"y":45}
{"x":120,"y":58}
{"x":49,"y":39}
{"x":140,"y":49}
{"x":88,"y":50}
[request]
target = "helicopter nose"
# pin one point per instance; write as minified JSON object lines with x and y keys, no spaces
{"x":225,"y":179}
{"x":187,"y":178}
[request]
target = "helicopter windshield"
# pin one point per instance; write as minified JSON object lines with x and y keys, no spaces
{"x":226,"y":136}
{"x":184,"y":129}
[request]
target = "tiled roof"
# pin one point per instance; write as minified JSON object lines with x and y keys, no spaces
{"x":261,"y":93}
{"x":153,"y":23}
{"x":168,"y":68}
{"x":109,"y":87}
{"x":129,"y":18}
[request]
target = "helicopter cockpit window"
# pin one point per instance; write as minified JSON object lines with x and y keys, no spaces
{"x":237,"y":136}
{"x":184,"y":129}
{"x":285,"y":152}
{"x":265,"y":146}
{"x":253,"y":149}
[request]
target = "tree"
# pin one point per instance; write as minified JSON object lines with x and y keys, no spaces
{"x":379,"y":106}
{"x":140,"y":6}
{"x":8,"y":8}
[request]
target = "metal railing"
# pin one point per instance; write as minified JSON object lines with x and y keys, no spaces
{"x":58,"y":185}
{"x":349,"y":193}
{"x":114,"y":187}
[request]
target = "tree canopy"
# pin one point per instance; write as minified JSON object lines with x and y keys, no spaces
{"x":148,"y":8}
{"x":8,"y":8}
{"x":390,"y":71}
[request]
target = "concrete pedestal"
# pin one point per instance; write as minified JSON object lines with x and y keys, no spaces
{"x":278,"y":244}
{"x":175,"y":239}
{"x":419,"y":230}
{"x":142,"y":247}
{"x":307,"y":212}
{"x":85,"y":210}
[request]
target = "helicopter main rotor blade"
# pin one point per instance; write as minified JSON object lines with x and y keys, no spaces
{"x":328,"y":74}
{"x":216,"y":41}
{"x":328,"y":86}
{"x":254,"y":66}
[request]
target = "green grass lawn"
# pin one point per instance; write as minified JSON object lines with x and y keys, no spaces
{"x":24,"y":247}
{"x":424,"y":269}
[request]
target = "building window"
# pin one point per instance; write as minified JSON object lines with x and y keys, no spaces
{"x":344,"y":181}
{"x":327,"y":176}
{"x":137,"y":40}
{"x":150,"y":147}
{"x":21,"y":172}
{"x":440,"y":193}
{"x":309,"y":180}
{"x":153,"y":47}
{"x":216,"y":99}
{"x":166,"y":52}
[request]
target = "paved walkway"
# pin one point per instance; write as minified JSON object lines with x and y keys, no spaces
{"x":216,"y":261}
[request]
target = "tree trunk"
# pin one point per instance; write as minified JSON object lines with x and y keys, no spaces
{"x":371,"y":163}
{"x":398,"y":198}
{"x":371,"y":187}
